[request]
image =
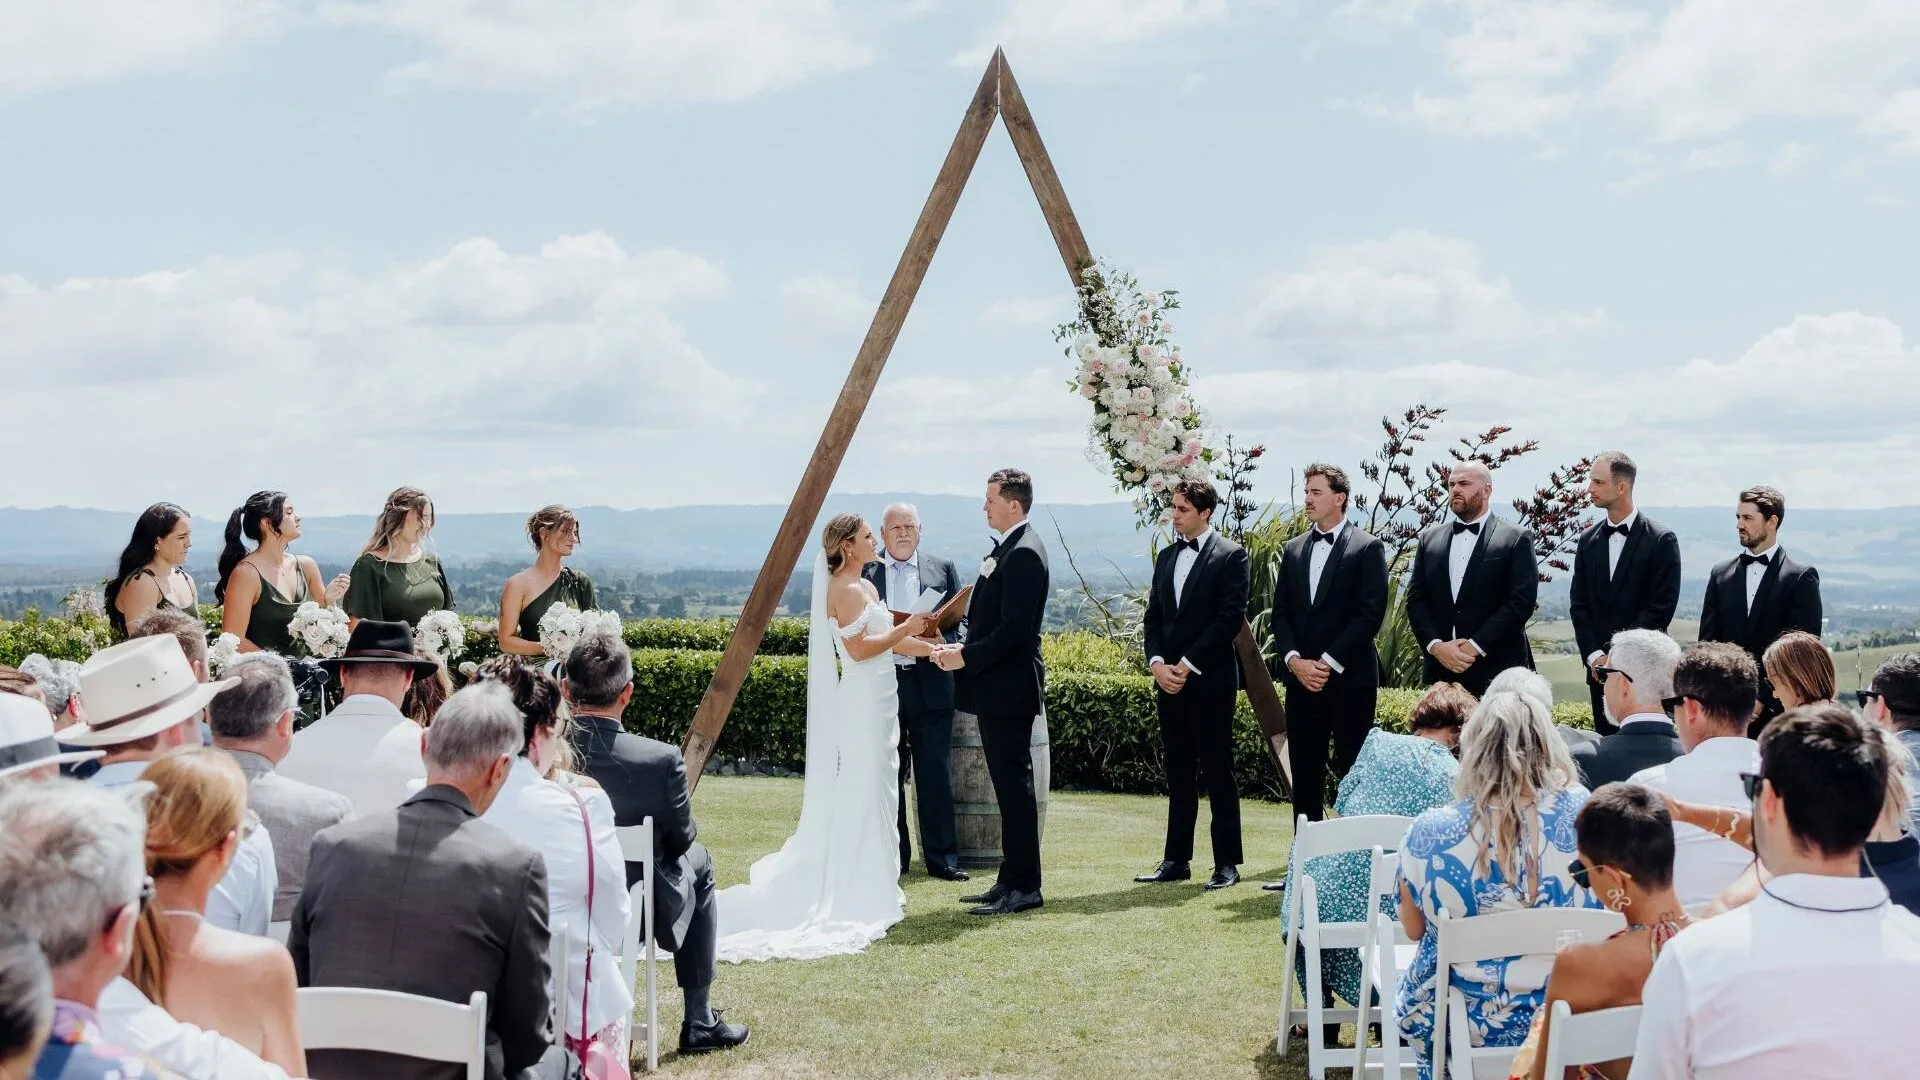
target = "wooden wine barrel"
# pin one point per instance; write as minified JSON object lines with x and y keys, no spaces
{"x":975,"y":809}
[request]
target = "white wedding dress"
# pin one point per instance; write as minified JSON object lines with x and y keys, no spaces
{"x":833,"y":888}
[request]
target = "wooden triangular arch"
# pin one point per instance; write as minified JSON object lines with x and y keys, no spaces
{"x":998,"y":95}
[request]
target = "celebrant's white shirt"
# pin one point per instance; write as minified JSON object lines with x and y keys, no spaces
{"x":131,"y":1022}
{"x":366,"y":750}
{"x":903,"y":588}
{"x":1705,"y":863}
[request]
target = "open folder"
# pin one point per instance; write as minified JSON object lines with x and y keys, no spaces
{"x":946,"y":616}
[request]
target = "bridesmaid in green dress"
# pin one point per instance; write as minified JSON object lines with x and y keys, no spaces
{"x":260,"y":590}
{"x":396,"y":579}
{"x":152,"y":576}
{"x":555,"y":532}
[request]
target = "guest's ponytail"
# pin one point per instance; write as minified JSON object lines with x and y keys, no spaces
{"x":242,"y":525}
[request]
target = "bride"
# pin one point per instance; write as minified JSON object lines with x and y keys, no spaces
{"x":834,"y":887}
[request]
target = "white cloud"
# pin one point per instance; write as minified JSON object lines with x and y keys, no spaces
{"x":1410,"y":287}
{"x":1898,"y":118}
{"x":592,"y":53}
{"x":1060,"y":37}
{"x":824,"y":309}
{"x":1028,"y":312}
{"x":54,"y":44}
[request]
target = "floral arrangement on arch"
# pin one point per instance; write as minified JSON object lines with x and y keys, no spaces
{"x":1146,"y":429}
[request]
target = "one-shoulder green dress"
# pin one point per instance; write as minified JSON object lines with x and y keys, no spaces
{"x":571,"y":587}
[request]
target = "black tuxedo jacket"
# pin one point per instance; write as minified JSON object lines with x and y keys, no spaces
{"x":645,"y":778}
{"x":1615,"y":758}
{"x":1345,"y":613}
{"x":1788,"y":599}
{"x":1639,"y":595}
{"x":1203,"y":625}
{"x":1497,"y":596}
{"x":1003,"y":674}
{"x":923,"y":685}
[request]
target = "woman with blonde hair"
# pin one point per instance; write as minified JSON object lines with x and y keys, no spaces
{"x":1505,"y":844}
{"x":396,"y":579}
{"x":555,"y":532}
{"x":1800,"y":669}
{"x":236,"y":984}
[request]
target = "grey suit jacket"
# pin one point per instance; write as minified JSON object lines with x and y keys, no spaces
{"x":645,"y":778}
{"x":294,"y":813}
{"x":1618,"y":756}
{"x":428,"y":899}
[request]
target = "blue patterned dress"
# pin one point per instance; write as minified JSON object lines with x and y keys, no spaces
{"x":1441,"y":862}
{"x":1394,"y":774}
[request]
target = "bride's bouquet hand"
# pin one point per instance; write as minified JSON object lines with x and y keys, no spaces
{"x":918,"y":626}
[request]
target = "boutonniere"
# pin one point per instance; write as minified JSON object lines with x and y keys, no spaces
{"x":986,"y":567}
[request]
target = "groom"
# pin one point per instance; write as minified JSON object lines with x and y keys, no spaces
{"x":999,"y":680}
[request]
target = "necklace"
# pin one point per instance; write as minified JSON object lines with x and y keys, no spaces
{"x":1882,"y":902}
{"x":194,"y":915}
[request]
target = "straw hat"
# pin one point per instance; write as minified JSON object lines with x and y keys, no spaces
{"x":26,"y":738}
{"x":138,"y":688}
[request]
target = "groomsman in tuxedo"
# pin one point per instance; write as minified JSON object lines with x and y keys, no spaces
{"x":1198,"y":602}
{"x":1328,"y":603}
{"x":1473,"y":587}
{"x":926,"y":696}
{"x":1626,"y":574}
{"x":1761,"y":593}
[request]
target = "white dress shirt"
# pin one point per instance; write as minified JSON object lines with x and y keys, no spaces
{"x":1318,"y":552}
{"x":1616,"y":543}
{"x":366,"y":750}
{"x":543,"y":815}
{"x":1756,"y":571}
{"x":1775,"y":990}
{"x":242,"y":900}
{"x":1705,"y":863}
{"x":903,"y":588}
{"x":1183,"y":563}
{"x":131,"y":1022}
{"x":1459,"y":555}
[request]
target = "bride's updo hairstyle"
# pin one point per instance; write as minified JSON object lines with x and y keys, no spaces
{"x":841,"y":529}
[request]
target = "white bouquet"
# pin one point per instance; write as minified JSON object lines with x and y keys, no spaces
{"x":442,"y":636}
{"x":322,"y":630}
{"x":563,"y":626}
{"x":223,"y":653}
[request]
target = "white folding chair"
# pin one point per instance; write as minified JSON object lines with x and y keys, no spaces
{"x":389,"y":1022}
{"x":1529,"y":932}
{"x":1590,"y":1038}
{"x":1306,"y":934}
{"x":1385,"y":951}
{"x":558,"y":957}
{"x":636,"y":844}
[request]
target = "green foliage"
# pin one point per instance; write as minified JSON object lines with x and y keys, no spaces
{"x":56,"y":639}
{"x":1084,"y":650}
{"x":784,"y":637}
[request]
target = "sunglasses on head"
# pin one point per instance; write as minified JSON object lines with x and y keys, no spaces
{"x":1750,"y":783}
{"x":1605,"y":671}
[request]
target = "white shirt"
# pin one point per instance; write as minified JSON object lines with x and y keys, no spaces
{"x":1705,"y":863}
{"x":542,"y":815}
{"x":1772,"y":990}
{"x":1617,"y":542}
{"x":903,"y":588}
{"x":1756,"y":571}
{"x":1318,"y":552}
{"x":242,"y":900}
{"x":1182,"y":566}
{"x":131,"y":1022}
{"x":366,"y":750}
{"x":1460,"y":552}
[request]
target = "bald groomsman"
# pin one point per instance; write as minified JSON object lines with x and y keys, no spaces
{"x":1626,"y":574}
{"x":1474,"y":586}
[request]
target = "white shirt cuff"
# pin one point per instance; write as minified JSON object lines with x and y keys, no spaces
{"x":1188,"y":664}
{"x":1478,"y":651}
{"x":1594,"y":655}
{"x":1291,"y":653}
{"x":1327,"y":659}
{"x":1152,"y":660}
{"x":1432,"y":643}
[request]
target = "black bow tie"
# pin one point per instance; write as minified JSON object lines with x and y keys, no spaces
{"x":1187,"y":545}
{"x":1462,"y":527}
{"x":1617,"y":530}
{"x":1319,"y":536}
{"x":1749,"y":560}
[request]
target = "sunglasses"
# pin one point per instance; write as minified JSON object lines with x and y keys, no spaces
{"x":140,"y":903}
{"x":1577,"y":870}
{"x":1605,"y":671}
{"x":1750,"y":783}
{"x":1866,"y":697}
{"x":1672,"y":705}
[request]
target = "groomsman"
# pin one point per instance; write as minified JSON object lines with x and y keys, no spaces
{"x":1474,"y":585}
{"x":1760,"y":594}
{"x":1328,"y":603}
{"x":926,"y":696}
{"x":1626,"y":574}
{"x":1198,"y":602}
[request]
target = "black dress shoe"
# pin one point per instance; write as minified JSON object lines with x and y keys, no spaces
{"x":1223,"y":876}
{"x":948,"y":873}
{"x":1011,"y":904}
{"x":704,"y":1038}
{"x":1168,"y":871}
{"x":991,"y":896}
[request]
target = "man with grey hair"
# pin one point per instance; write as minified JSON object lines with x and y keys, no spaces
{"x":1639,"y":679}
{"x":253,"y":723}
{"x":428,"y":899}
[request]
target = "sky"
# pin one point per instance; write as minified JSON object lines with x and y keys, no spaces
{"x":622,"y":252}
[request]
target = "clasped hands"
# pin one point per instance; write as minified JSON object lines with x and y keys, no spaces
{"x":1313,"y":674}
{"x":1170,"y":678}
{"x":1456,"y":656}
{"x":948,"y":657}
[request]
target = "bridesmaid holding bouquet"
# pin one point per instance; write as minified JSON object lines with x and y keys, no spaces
{"x":555,"y":532}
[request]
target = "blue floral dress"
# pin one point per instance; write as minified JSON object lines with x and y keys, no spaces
{"x":1441,"y":861}
{"x":1394,"y":774}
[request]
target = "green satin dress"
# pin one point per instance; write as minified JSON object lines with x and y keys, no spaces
{"x":571,"y":587}
{"x":397,"y":591}
{"x":272,"y":611}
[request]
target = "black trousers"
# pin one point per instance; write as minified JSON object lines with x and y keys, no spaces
{"x":926,"y":753}
{"x":1008,"y":745}
{"x":1196,"y":732}
{"x":1341,"y":714}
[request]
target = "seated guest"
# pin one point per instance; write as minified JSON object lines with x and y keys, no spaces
{"x":1626,"y":858}
{"x":237,"y":984}
{"x":260,"y":590}
{"x":396,"y":579}
{"x":187,"y":629}
{"x":645,"y":778}
{"x":1505,"y":844}
{"x":1819,"y":974}
{"x":555,"y":532}
{"x":152,"y":575}
{"x":366,"y":749}
{"x":146,"y":700}
{"x":1522,"y":680}
{"x":253,"y":722}
{"x":59,"y":682}
{"x":1892,"y":700}
{"x":26,"y":1003}
{"x":1800,"y":669}
{"x":71,"y":880}
{"x":1716,"y":687}
{"x":427,"y":693}
{"x":1639,"y":676}
{"x":1394,"y":774}
{"x":28,"y":750}
{"x":428,"y":899}
{"x":586,"y":878}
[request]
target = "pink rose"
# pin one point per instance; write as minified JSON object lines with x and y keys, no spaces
{"x":1181,"y":409}
{"x":1144,"y":318}
{"x":1194,"y":447}
{"x":1166,"y":325}
{"x":1151,"y":299}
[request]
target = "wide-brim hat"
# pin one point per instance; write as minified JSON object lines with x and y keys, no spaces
{"x":138,"y":688}
{"x":376,"y":641}
{"x":27,"y":741}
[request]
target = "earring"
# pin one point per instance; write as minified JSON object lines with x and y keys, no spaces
{"x":1619,"y":896}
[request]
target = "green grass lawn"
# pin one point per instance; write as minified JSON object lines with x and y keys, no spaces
{"x":1110,"y":979}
